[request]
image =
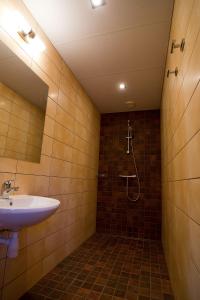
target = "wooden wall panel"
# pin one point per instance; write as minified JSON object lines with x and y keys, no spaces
{"x":180,"y":154}
{"x":67,"y":170}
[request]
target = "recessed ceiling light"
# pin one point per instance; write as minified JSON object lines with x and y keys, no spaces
{"x":122,"y":86}
{"x":97,"y":3}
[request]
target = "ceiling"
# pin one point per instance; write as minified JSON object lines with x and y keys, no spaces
{"x":122,"y":41}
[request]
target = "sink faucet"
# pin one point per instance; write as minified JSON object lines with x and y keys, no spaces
{"x":7,"y":189}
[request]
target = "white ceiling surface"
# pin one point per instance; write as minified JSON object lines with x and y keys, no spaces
{"x":124,"y":40}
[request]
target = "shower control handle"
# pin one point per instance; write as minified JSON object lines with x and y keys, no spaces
{"x":127,"y":176}
{"x":181,"y":46}
{"x":175,"y":72}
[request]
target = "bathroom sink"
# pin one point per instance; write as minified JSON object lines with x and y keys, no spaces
{"x":25,"y":210}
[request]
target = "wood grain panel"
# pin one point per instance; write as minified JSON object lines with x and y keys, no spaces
{"x":180,"y":155}
{"x":71,"y":125}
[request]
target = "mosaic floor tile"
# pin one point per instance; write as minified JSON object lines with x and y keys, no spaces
{"x":108,"y":268}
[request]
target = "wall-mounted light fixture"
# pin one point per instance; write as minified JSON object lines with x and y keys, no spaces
{"x":17,"y":23}
{"x":97,"y":3}
{"x":27,"y":37}
{"x":33,"y":40}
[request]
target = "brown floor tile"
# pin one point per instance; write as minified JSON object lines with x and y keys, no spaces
{"x":106,"y":297}
{"x":108,"y":268}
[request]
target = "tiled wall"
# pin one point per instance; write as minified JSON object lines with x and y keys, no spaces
{"x":67,"y":170}
{"x":116,"y":214}
{"x":180,"y":154}
{"x":21,"y":126}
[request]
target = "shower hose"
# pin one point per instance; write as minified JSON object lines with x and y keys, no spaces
{"x":137,"y":176}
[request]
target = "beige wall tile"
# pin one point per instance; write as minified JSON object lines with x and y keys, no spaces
{"x":4,"y":116}
{"x":53,"y":259}
{"x":24,"y":167}
{"x":49,"y":126}
{"x":71,"y":124}
{"x":180,"y":152}
{"x":53,"y":241}
{"x":47,"y":145}
{"x":64,"y":119}
{"x":63,"y":135}
{"x":62,"y":151}
{"x":53,"y":89}
{"x":48,"y":66}
{"x":27,"y":257}
{"x":51,"y":108}
{"x":66,"y":103}
{"x":33,"y":234}
{"x":24,"y":282}
{"x":8,"y":165}
{"x":60,"y":168}
{"x":32,"y":184}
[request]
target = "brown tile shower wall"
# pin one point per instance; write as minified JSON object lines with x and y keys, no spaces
{"x":115,"y":213}
{"x":67,"y":170}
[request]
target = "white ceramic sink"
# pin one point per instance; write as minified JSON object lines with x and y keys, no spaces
{"x":25,"y":210}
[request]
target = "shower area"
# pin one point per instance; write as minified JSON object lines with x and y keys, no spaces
{"x":129,"y":177}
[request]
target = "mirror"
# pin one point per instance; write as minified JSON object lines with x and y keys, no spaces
{"x":23,"y":99}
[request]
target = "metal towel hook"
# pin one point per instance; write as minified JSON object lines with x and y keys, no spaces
{"x":180,"y":46}
{"x":175,"y":72}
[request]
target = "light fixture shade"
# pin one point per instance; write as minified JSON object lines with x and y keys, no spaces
{"x":16,"y":23}
{"x":97,"y":3}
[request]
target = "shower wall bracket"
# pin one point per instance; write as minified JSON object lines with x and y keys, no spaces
{"x":127,"y":176}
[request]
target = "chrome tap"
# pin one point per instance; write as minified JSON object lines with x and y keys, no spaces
{"x":7,"y":189}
